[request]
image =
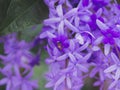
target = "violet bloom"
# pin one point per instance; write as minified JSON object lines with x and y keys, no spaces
{"x":61,"y":42}
{"x":18,"y":62}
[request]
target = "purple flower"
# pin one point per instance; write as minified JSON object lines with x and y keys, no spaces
{"x":61,"y":42}
{"x":18,"y":63}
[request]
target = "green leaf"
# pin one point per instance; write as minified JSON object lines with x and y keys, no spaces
{"x":4,"y":4}
{"x":21,"y":14}
{"x":30,"y":32}
{"x":39,"y":72}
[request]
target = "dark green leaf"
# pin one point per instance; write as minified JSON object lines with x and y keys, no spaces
{"x":21,"y":14}
{"x":29,"y":33}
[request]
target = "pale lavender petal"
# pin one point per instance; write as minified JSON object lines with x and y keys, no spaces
{"x":95,"y":48}
{"x":50,"y":35}
{"x":61,"y":28}
{"x":24,"y":87}
{"x":69,"y":83}
{"x":48,"y":61}
{"x":112,"y":85}
{"x":50,"y":84}
{"x":72,"y":58}
{"x":89,"y":34}
{"x":97,"y":83}
{"x":72,"y":45}
{"x":117,"y":74}
{"x":84,"y":46}
{"x":82,"y":68}
{"x":17,"y":72}
{"x":51,"y":21}
{"x":110,"y":69}
{"x":71,"y":12}
{"x":70,"y":26}
{"x":59,"y":10}
{"x":77,"y":21}
{"x":63,"y":57}
{"x":87,"y":56}
{"x":59,"y":82}
{"x":114,"y":58}
{"x":43,"y":35}
{"x":98,"y":40}
{"x":78,"y":56}
{"x":8,"y":87}
{"x":101,"y":25}
{"x":106,"y":49}
{"x":101,"y":74}
{"x":93,"y":72}
{"x":3,"y":81}
{"x":99,"y":12}
{"x":80,"y":38}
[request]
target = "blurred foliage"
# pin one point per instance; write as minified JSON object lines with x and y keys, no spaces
{"x":19,"y":15}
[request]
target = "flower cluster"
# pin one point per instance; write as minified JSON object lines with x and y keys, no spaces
{"x":83,"y":41}
{"x":18,"y":63}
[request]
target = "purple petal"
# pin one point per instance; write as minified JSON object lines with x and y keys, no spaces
{"x":50,"y":35}
{"x":3,"y":81}
{"x":72,"y":58}
{"x":77,"y":21}
{"x":24,"y":87}
{"x":112,"y":85}
{"x":61,"y":28}
{"x":51,"y":21}
{"x":8,"y":87}
{"x":82,"y":68}
{"x":84,"y":46}
{"x":114,"y":58}
{"x":87,"y":56}
{"x":98,"y":40}
{"x":59,"y":10}
{"x":80,"y":38}
{"x":93,"y":72}
{"x":95,"y":48}
{"x":101,"y":25}
{"x":49,"y":84}
{"x":72,"y":45}
{"x":71,"y":12}
{"x":69,"y":83}
{"x":110,"y":69}
{"x":63,"y":57}
{"x":70,"y":26}
{"x":59,"y":82}
{"x":106,"y":49}
{"x":99,"y":12}
{"x":78,"y":56}
{"x":117,"y":74}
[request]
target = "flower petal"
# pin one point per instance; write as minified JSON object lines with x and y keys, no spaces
{"x":70,"y":26}
{"x":110,"y":69}
{"x":80,"y":38}
{"x":51,"y":21}
{"x":114,"y":58}
{"x":59,"y":82}
{"x":63,"y":57}
{"x":106,"y":49}
{"x":101,"y":25}
{"x":59,"y":10}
